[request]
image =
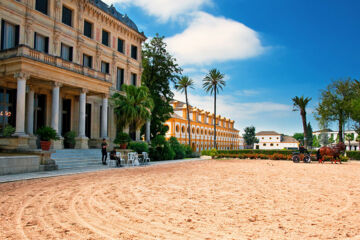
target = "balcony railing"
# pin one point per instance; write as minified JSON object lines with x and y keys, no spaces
{"x":27,"y":52}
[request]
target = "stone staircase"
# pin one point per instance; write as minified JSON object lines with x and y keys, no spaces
{"x":77,"y":158}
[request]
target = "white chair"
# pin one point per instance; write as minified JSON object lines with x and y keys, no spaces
{"x":146,"y":158}
{"x":131,"y":159}
{"x":136,"y":159}
{"x":112,"y":163}
{"x":122,"y":160}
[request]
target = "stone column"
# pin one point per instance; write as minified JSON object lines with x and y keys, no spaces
{"x":55,"y":108}
{"x":82,"y":140}
{"x":104,"y":117}
{"x":20,"y":103}
{"x":148,"y":131}
{"x":137,"y":135}
{"x":30,"y":112}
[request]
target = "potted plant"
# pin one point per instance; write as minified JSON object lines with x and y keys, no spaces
{"x":122,"y":139}
{"x":69,"y":139}
{"x":46,"y":134}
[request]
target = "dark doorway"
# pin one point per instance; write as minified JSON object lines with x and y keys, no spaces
{"x":66,"y":116}
{"x":88,"y":120}
{"x":40,"y":111}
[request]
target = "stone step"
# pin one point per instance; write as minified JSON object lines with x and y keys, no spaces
{"x":77,"y":158}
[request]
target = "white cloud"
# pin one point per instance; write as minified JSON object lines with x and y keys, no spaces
{"x":164,"y":9}
{"x":210,"y":39}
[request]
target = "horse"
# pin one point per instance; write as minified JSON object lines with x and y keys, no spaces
{"x":333,"y":152}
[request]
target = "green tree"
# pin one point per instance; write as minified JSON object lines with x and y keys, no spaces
{"x":358,"y":139}
{"x":299,"y":137}
{"x":213,"y":83}
{"x":250,"y":136}
{"x":134,"y":107}
{"x":316,"y":142}
{"x":160,"y":70}
{"x":183,"y":85}
{"x":335,"y":103}
{"x":331,"y":140}
{"x":310,"y":135}
{"x":300,"y":104}
{"x":349,"y":137}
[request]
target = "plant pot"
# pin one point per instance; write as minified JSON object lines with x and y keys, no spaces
{"x":123,"y":146}
{"x":45,"y":145}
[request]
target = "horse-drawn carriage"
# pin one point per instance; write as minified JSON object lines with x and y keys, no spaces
{"x":324,"y":153}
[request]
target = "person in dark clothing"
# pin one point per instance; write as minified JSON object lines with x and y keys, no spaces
{"x":103,"y":151}
{"x":114,"y":157}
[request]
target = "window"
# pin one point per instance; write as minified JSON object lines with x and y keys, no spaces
{"x":88,"y":29}
{"x":9,"y":35}
{"x":271,"y":144}
{"x":67,"y":16}
{"x":264,"y":144}
{"x":120,"y":45}
{"x":120,"y":78}
{"x":183,"y":129}
{"x":42,"y":6}
{"x":133,"y":79}
{"x":41,"y":43}
{"x":105,"y":67}
{"x":66,"y":52}
{"x":105,"y":37}
{"x":177,"y":128}
{"x":87,"y":61}
{"x":133,"y":52}
{"x":7,"y":108}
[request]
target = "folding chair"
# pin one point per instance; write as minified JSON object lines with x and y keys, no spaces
{"x":131,"y":159}
{"x":146,"y":158}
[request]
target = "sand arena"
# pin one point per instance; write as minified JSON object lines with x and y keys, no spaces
{"x":232,"y":199}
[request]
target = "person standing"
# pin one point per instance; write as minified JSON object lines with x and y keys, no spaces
{"x":103,"y":151}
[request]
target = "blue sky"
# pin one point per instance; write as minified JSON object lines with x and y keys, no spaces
{"x":269,"y":50}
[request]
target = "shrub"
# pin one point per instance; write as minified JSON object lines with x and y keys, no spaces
{"x":9,"y":131}
{"x":344,"y":158}
{"x":188,"y":151}
{"x":354,"y":155}
{"x":177,"y":148}
{"x":139,"y":147}
{"x":122,"y":138}
{"x":69,"y":139}
{"x":161,"y":149}
{"x":47,"y":134}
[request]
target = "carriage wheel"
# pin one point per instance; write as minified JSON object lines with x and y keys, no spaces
{"x":296,"y":159}
{"x":307,"y":159}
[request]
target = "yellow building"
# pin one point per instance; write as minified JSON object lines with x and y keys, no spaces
{"x":202,"y":129}
{"x":60,"y":60}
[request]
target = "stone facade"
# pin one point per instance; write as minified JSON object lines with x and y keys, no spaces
{"x":62,"y":60}
{"x":202,"y":129}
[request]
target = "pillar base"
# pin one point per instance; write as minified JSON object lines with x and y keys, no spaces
{"x":82,"y":143}
{"x":57,"y":144}
{"x":15,"y":142}
{"x":32,"y":142}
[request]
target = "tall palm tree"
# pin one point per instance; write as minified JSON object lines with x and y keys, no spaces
{"x":213,"y":83}
{"x":134,"y":107}
{"x":182,"y":85}
{"x":300,"y":104}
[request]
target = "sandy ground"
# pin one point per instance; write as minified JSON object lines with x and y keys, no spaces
{"x":232,"y":199}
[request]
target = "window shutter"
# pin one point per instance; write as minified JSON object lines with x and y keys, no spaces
{"x":47,"y":45}
{"x":70,"y":54}
{"x":90,"y":62}
{"x":2,"y":33}
{"x":35,"y":40}
{"x":17,"y":35}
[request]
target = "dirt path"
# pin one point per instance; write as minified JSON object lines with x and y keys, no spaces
{"x":233,"y":199}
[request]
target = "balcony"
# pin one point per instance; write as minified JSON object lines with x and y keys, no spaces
{"x":27,"y":52}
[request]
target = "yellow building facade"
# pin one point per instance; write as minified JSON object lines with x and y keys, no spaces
{"x":60,"y":61}
{"x":202,"y":129}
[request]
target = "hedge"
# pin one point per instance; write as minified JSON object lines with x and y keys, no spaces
{"x":258,"y":151}
{"x":354,"y":155}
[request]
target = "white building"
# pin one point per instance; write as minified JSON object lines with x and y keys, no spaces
{"x":354,"y":145}
{"x":270,"y":140}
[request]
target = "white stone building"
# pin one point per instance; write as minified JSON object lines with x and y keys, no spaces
{"x":270,"y":140}
{"x":354,"y":145}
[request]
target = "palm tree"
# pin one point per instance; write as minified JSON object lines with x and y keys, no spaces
{"x":183,"y":84}
{"x":349,"y":137}
{"x":134,"y":107}
{"x":213,"y":83}
{"x":300,"y":104}
{"x":358,"y":140}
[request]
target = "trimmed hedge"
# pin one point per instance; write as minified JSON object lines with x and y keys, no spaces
{"x":258,"y":151}
{"x":354,"y":155}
